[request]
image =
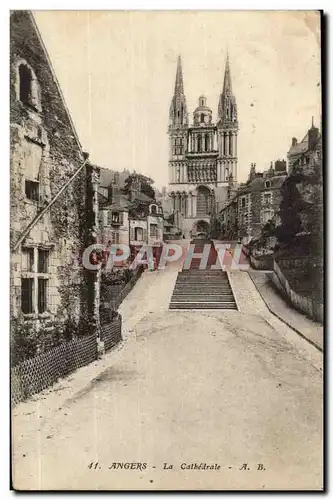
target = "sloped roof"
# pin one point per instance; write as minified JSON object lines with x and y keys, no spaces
{"x":300,"y":147}
{"x":120,"y":202}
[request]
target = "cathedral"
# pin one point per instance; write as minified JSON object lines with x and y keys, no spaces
{"x":202,"y":156}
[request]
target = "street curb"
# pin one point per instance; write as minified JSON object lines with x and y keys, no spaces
{"x":312,"y":342}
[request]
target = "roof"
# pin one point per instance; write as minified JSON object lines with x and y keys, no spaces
{"x":143,"y":197}
{"x":119,"y":202}
{"x":300,"y":147}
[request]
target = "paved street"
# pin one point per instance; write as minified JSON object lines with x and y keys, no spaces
{"x":214,"y":387}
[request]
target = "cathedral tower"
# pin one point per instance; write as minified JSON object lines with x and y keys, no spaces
{"x":178,"y":124}
{"x":202,"y":156}
{"x":227,"y":129}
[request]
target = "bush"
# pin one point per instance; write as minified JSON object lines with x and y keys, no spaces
{"x":29,"y":339}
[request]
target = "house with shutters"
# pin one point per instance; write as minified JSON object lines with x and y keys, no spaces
{"x":132,"y":218}
{"x":113,"y":210}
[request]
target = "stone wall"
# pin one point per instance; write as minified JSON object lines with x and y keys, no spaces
{"x":312,"y":308}
{"x":45,"y":148}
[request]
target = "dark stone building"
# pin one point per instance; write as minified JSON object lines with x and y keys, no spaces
{"x":253,"y":204}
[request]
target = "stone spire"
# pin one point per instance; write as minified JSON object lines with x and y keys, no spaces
{"x":227,"y":78}
{"x":227,"y":109}
{"x":179,"y":86}
{"x":178,"y":116}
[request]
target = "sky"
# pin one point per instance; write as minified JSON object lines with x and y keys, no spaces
{"x":117,"y":71}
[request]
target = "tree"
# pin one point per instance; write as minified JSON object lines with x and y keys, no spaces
{"x":145,"y":184}
{"x":290,"y":207}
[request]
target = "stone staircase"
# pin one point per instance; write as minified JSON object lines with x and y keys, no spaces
{"x":202,"y":289}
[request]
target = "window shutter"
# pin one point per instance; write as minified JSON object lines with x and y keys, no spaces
{"x":145,"y":235}
{"x":132,"y":233}
{"x":121,"y":217}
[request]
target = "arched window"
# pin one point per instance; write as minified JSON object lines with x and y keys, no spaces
{"x":153,"y":209}
{"x":202,"y":118}
{"x":207,"y":142}
{"x":199,"y":144}
{"x":25,"y":84}
{"x":28,"y":88}
{"x":203,"y":198}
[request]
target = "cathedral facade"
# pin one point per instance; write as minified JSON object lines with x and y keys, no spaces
{"x":202,"y":156}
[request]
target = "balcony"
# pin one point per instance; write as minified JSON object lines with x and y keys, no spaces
{"x":201,"y":154}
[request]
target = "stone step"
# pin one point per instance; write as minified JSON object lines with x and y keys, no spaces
{"x":200,"y":287}
{"x":194,"y":294}
{"x":203,"y":305}
{"x":203,"y":281}
{"x":191,"y":298}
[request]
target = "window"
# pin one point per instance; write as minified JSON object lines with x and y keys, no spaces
{"x":115,"y":218}
{"x":268,"y":184}
{"x":25,"y":84}
{"x":243,"y":201}
{"x":202,"y":117}
{"x":32,"y":190}
{"x":43,"y":256}
{"x":115,"y":237}
{"x":153,"y":230}
{"x":138,"y":234}
{"x":42,"y":294}
{"x":32,"y":161}
{"x":26,"y":295}
{"x":34,"y":280}
{"x":267,"y":215}
{"x":206,"y":142}
{"x":27,"y":261}
{"x":267,"y":198}
{"x":199,"y":144}
{"x":153,"y":209}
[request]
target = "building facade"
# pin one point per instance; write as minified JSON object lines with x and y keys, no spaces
{"x":202,"y":155}
{"x":48,"y":282}
{"x":253,"y":204}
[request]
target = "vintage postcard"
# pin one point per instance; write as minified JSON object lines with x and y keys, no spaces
{"x":166,"y":250}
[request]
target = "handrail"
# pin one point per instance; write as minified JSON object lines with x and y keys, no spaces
{"x":27,"y":230}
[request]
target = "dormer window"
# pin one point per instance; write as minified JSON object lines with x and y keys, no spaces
{"x":202,"y":118}
{"x":268,"y":184}
{"x":153,"y":209}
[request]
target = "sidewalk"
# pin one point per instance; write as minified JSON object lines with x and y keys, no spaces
{"x":304,"y":326}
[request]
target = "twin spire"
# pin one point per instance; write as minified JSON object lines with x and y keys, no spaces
{"x":179,"y":86}
{"x":224,"y":96}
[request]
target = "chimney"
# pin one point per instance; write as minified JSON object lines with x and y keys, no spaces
{"x":110,"y":193}
{"x":116,"y":179}
{"x":294,"y":142}
{"x":252,"y":172}
{"x":135,"y":187}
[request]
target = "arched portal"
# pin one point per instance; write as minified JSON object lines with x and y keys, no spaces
{"x":201,"y":226}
